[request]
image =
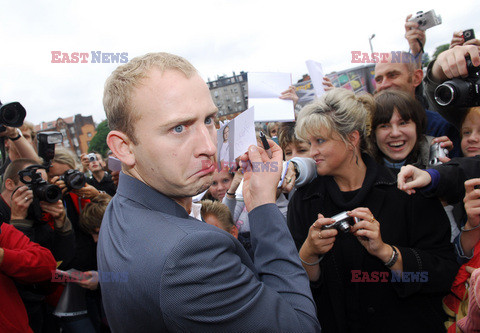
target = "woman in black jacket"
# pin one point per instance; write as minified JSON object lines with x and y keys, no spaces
{"x":391,"y":269}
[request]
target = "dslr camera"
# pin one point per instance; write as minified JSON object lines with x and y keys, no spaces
{"x":426,"y":20}
{"x":74,"y":179}
{"x":42,"y":190}
{"x":12,"y":115}
{"x":92,"y":157}
{"x":435,"y":152}
{"x":29,"y":176}
{"x":460,"y":92}
{"x":343,"y":222}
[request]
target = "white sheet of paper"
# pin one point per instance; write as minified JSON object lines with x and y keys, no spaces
{"x":241,"y":134}
{"x":315,"y":71}
{"x":264,"y":90}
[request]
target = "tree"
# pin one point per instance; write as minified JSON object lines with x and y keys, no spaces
{"x":440,"y":49}
{"x":99,"y":141}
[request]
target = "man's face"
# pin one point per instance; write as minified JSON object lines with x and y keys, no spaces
{"x":176,"y":133}
{"x":27,"y":134}
{"x":395,"y":76}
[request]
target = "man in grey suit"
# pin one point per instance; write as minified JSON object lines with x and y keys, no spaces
{"x":181,"y":273}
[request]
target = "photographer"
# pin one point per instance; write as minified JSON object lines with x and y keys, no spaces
{"x":100,"y":178}
{"x":52,"y":230}
{"x":16,"y":145}
{"x":448,"y":65}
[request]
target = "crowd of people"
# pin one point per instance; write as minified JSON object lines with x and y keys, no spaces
{"x":347,"y":226}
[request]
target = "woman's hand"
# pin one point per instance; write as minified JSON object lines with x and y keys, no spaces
{"x":368,"y":234}
{"x":319,"y":241}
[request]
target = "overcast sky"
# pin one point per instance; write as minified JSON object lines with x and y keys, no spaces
{"x":217,"y":36}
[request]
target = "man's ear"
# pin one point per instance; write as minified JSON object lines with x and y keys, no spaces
{"x":417,"y":77}
{"x":121,"y":146}
{"x":234,"y":232}
{"x":10,"y":184}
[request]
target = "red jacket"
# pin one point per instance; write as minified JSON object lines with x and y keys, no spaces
{"x":23,"y":261}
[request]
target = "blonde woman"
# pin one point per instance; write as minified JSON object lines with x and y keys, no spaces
{"x":397,"y":237}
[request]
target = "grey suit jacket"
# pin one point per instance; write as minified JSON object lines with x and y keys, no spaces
{"x":165,"y":271}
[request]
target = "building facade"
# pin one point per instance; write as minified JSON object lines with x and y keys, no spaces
{"x":77,"y":131}
{"x":230,"y":94}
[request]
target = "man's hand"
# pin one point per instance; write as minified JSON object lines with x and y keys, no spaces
{"x":57,"y":210}
{"x":409,"y":178}
{"x":327,"y":84}
{"x":413,"y":35}
{"x":451,"y":63}
{"x":22,"y":198}
{"x":262,"y":175}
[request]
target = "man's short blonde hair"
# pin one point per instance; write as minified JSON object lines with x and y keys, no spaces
{"x":120,"y":84}
{"x":220,"y":211}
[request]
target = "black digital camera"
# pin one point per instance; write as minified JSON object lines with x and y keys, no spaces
{"x":74,"y":179}
{"x":11,"y":114}
{"x":460,"y":92}
{"x":42,"y":190}
{"x":343,"y":222}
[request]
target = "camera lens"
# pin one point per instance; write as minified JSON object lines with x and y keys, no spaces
{"x":444,"y":94}
{"x":344,"y":226}
{"x":48,"y":192}
{"x":75,"y":180}
{"x":12,"y":114}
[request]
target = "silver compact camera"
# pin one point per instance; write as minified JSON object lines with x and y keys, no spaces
{"x":92,"y":157}
{"x":343,"y":222}
{"x":435,"y":152}
{"x":426,"y":20}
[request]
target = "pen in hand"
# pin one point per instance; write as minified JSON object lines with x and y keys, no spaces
{"x":265,"y":144}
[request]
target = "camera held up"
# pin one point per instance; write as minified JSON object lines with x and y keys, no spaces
{"x":460,"y":92}
{"x":12,"y":115}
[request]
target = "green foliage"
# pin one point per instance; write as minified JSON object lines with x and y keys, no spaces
{"x":440,"y":49}
{"x":99,"y":141}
